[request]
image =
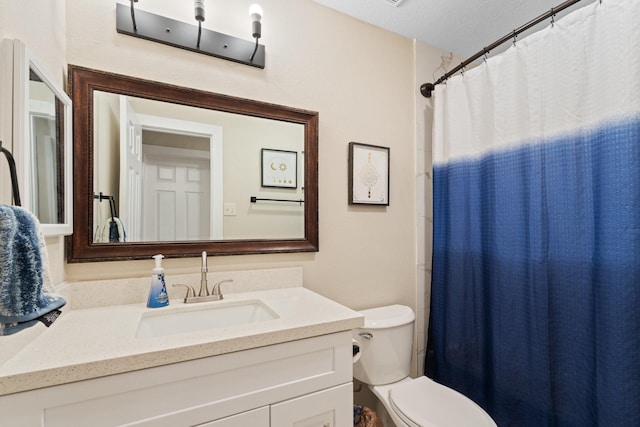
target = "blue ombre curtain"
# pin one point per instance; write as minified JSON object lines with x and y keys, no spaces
{"x":535,"y":310}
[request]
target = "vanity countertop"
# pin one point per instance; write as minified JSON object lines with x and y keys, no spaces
{"x":95,"y":342}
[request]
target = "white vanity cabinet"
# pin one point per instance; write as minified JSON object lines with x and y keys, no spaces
{"x":322,"y":409}
{"x":303,"y":383}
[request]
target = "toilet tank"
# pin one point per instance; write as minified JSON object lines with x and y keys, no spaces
{"x":386,"y":342}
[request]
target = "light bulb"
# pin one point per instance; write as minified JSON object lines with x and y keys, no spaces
{"x":199,"y":10}
{"x":255,"y":12}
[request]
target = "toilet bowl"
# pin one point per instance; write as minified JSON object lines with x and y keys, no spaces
{"x":385,"y":343}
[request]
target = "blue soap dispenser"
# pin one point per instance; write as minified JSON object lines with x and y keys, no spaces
{"x":158,"y":293}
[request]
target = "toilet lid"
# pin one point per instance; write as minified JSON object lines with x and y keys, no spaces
{"x":424,"y":403}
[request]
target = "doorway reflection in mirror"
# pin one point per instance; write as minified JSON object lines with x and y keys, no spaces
{"x":172,"y":168}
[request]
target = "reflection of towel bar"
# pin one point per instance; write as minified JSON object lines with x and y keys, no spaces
{"x":255,"y":199}
{"x":112,"y":203}
{"x":14,"y":176}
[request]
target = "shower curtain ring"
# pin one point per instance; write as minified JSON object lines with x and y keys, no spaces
{"x":515,"y":37}
{"x":486,"y":53}
{"x":553,"y":17}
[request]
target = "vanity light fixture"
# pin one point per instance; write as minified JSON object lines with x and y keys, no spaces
{"x":149,"y":26}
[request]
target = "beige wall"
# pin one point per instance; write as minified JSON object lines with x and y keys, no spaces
{"x":40,"y":24}
{"x":360,"y":79}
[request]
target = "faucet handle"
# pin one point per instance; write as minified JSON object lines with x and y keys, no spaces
{"x":216,"y":288}
{"x":190,"y":291}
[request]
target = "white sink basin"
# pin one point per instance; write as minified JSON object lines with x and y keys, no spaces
{"x":211,"y":316}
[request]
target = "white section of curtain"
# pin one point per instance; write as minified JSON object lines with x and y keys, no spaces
{"x":572,"y":75}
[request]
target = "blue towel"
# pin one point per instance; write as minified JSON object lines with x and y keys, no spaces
{"x":24,"y":272}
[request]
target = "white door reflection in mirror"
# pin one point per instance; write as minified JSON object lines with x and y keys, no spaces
{"x":194,"y":210}
{"x":176,"y":188}
{"x":166,"y":174}
{"x":130,"y":174}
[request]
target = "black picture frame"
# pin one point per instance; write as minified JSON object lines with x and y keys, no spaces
{"x":279,"y":168}
{"x":368,"y":174}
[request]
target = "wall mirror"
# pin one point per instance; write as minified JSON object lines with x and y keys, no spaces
{"x":41,"y":126}
{"x":173,"y":170}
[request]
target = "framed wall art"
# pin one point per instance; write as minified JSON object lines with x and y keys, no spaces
{"x":368,"y":174}
{"x":279,"y":168}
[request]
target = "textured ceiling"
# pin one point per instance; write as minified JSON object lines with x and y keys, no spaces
{"x":463,"y":27}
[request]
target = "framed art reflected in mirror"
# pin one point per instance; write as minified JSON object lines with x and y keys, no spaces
{"x":279,"y":168}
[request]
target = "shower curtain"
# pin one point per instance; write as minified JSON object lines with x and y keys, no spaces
{"x":535,"y":310}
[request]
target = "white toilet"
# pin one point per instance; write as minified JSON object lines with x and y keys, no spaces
{"x":385,"y":357}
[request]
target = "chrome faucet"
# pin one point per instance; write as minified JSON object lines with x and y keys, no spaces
{"x":204,"y":294}
{"x":216,"y":292}
{"x":204,"y":290}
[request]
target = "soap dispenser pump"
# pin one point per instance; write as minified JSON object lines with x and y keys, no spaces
{"x":158,"y":293}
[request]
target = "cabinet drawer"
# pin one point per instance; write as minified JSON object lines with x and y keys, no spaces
{"x":326,"y":408}
{"x":256,"y":418}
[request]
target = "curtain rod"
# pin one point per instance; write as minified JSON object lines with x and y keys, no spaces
{"x":427,"y":88}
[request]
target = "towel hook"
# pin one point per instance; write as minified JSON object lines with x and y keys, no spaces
{"x":112,"y":207}
{"x":15,"y":189}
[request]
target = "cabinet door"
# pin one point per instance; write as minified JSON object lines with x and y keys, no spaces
{"x":328,"y":408}
{"x":255,"y":418}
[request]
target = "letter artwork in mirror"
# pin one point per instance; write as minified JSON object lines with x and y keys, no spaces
{"x":166,"y":169}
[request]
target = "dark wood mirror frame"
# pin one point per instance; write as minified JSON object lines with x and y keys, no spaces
{"x":80,"y":247}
